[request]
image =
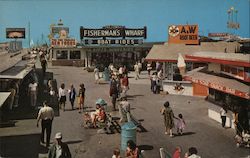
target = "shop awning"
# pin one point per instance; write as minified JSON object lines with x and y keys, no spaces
{"x":169,"y":52}
{"x":225,"y":85}
{"x":236,"y":59}
{"x":18,"y":71}
{"x":3,"y":97}
{"x":164,"y":53}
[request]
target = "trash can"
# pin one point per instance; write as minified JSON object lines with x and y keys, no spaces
{"x":128,"y":133}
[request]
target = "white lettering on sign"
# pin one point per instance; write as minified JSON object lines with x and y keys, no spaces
{"x":63,"y":42}
{"x":221,"y":88}
{"x":117,"y":41}
{"x":230,"y":90}
{"x":134,"y":32}
{"x":203,"y":82}
{"x":102,"y":33}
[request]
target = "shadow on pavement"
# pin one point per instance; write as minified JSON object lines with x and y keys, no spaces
{"x":185,"y":134}
{"x":141,"y":129}
{"x":141,"y":120}
{"x":103,"y":82}
{"x":133,"y":96}
{"x":43,"y":149}
{"x":73,"y":142}
{"x":145,"y":147}
{"x":20,"y":146}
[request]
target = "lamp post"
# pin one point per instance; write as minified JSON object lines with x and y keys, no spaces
{"x":232,"y":18}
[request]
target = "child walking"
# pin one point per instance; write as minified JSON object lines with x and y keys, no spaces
{"x":116,"y":153}
{"x":180,"y":124}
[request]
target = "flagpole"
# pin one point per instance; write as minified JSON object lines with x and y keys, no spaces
{"x":29,"y":33}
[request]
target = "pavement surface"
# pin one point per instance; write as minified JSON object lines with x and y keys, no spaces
{"x":211,"y":140}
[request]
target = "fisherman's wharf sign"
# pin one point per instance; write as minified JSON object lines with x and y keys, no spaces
{"x":114,"y":32}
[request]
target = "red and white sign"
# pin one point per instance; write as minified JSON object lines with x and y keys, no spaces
{"x":67,"y":42}
{"x":219,"y":87}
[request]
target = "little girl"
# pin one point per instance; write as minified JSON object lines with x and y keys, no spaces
{"x":180,"y":124}
{"x":116,"y":153}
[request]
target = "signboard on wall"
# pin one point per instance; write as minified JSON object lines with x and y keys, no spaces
{"x":218,"y":34}
{"x":114,"y":32}
{"x":15,"y":32}
{"x":186,"y":34}
{"x":65,"y":42}
{"x":219,"y":87}
{"x":57,"y":29}
{"x":113,"y":41}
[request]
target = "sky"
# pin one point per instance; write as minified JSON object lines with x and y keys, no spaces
{"x":157,"y":15}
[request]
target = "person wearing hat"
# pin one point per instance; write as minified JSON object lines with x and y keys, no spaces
{"x":59,"y":148}
{"x":46,"y":114}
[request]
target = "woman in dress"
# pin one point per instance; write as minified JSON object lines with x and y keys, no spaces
{"x":81,"y":97}
{"x":168,"y":114}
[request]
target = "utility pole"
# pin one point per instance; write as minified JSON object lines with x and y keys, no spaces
{"x":29,"y":33}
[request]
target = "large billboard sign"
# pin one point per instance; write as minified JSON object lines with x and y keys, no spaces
{"x":186,"y":34}
{"x":57,"y":29}
{"x":114,"y":32}
{"x":15,"y":32}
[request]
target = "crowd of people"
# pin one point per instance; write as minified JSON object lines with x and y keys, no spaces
{"x":118,"y":88}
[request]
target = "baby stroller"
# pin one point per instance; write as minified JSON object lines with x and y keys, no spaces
{"x":89,"y":117}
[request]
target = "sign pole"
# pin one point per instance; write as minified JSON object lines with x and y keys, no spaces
{"x":29,"y":34}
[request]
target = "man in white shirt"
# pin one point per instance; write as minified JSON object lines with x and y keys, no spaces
{"x":124,"y":108}
{"x":136,"y":68}
{"x":140,"y":67}
{"x":46,"y":114}
{"x":33,"y":93}
{"x":223,"y":115}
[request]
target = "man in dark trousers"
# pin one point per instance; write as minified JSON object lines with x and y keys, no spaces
{"x":113,"y":92}
{"x":46,"y":114}
{"x":43,"y":64}
{"x":59,"y":148}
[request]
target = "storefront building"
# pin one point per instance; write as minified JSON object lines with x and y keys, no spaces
{"x":184,"y":40}
{"x":88,"y":56}
{"x":168,"y":54}
{"x":100,"y":47}
{"x":226,"y":80}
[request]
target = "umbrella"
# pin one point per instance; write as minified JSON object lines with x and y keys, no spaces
{"x":101,"y":102}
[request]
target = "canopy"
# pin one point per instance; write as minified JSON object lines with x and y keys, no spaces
{"x":101,"y":102}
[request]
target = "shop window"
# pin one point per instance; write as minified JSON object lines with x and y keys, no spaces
{"x":189,"y":66}
{"x":62,"y":54}
{"x":222,"y":68}
{"x":234,"y":71}
{"x":75,"y":55}
{"x":240,"y":73}
{"x":211,"y":91}
{"x":227,"y":69}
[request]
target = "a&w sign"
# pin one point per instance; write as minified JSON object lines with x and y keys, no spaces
{"x":187,"y":34}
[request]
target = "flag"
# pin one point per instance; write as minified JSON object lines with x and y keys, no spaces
{"x":31,"y":43}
